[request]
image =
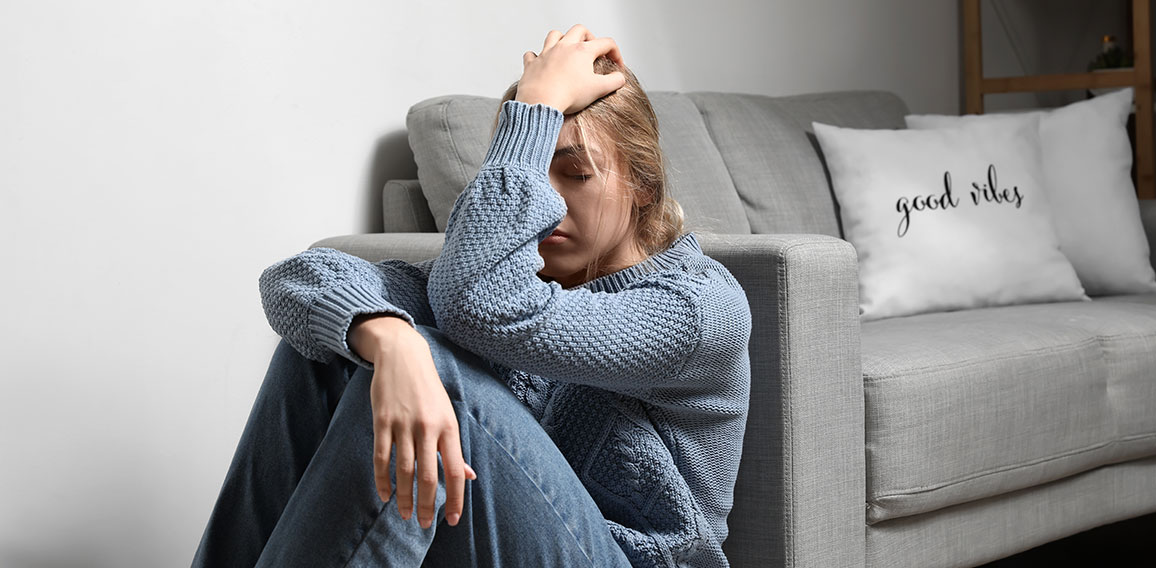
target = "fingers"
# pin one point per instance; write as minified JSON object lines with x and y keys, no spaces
{"x":603,"y":46}
{"x":405,"y":472}
{"x":448,"y":444}
{"x":427,"y":479}
{"x":606,"y":46}
{"x":382,"y":445}
{"x":551,"y":39}
{"x":578,"y":32}
{"x":612,"y":82}
{"x":456,"y":471}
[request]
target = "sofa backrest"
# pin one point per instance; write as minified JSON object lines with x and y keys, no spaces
{"x":773,"y":158}
{"x":737,"y":163}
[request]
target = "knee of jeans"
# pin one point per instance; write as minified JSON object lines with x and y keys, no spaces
{"x":286,"y":354}
{"x":431,"y":334}
{"x":286,"y":351}
{"x":442,"y":346}
{"x":457,"y":366}
{"x":289,"y":365}
{"x":443,"y":351}
{"x":288,"y":362}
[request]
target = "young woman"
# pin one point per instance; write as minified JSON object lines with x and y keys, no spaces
{"x":565,"y":385}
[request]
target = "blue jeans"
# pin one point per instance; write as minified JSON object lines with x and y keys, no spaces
{"x":300,"y":490}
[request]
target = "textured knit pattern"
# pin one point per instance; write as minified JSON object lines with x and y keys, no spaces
{"x":641,"y":377}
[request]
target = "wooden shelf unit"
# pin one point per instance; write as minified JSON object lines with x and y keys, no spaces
{"x":1139,"y":77}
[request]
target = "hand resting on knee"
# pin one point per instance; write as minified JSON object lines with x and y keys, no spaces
{"x":411,"y":414}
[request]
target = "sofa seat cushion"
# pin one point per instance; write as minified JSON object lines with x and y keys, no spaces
{"x":965,"y":405}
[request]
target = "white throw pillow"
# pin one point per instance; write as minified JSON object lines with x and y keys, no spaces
{"x":1087,"y":165}
{"x":947,"y":219}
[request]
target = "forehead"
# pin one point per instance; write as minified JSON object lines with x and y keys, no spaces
{"x":571,"y":142}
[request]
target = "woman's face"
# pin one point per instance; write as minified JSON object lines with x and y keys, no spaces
{"x":597,"y":223}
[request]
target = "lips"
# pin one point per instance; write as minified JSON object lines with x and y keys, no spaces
{"x":557,"y":237}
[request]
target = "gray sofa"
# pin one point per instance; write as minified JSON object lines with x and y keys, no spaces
{"x":945,"y":439}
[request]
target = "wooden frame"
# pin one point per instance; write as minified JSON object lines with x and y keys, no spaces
{"x":1139,"y":77}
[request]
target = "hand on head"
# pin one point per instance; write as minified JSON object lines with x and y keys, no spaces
{"x":562,"y":75}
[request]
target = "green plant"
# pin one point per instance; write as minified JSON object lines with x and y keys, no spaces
{"x":1111,"y":56}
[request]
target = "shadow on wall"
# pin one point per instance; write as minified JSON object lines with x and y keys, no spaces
{"x":391,"y":159}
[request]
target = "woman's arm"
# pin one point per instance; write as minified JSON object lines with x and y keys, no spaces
{"x":632,"y":341}
{"x":487,"y":297}
{"x":324,"y":301}
{"x":312,"y":298}
{"x":485,"y":292}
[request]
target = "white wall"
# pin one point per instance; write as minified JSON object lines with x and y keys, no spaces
{"x":155,"y":156}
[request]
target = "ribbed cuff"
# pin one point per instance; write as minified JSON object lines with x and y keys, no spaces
{"x":333,"y":312}
{"x":526,"y":135}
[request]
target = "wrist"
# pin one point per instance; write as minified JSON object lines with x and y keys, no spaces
{"x":534,"y":97}
{"x":526,"y":135}
{"x":373,"y":336}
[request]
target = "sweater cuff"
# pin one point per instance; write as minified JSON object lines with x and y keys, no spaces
{"x":332,"y":313}
{"x":526,"y":135}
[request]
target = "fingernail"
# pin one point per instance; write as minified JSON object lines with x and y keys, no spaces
{"x":452,"y":518}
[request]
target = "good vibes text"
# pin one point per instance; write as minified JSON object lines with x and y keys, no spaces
{"x":981,"y":192}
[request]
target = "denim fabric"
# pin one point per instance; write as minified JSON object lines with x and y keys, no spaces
{"x":300,"y":490}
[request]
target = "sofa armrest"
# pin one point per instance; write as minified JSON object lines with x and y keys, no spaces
{"x":1148,"y":218}
{"x":800,"y":497}
{"x":404,"y":208}
{"x":375,"y":247}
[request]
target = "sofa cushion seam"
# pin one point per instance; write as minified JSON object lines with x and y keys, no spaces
{"x":955,"y":365}
{"x":1010,"y":467}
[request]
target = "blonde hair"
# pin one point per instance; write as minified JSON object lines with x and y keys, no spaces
{"x":625,"y":120}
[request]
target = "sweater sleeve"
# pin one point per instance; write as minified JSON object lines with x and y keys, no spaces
{"x":487,"y":297}
{"x":311,"y":298}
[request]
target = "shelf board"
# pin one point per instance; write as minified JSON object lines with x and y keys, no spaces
{"x":1060,"y":82}
{"x":1139,"y":77}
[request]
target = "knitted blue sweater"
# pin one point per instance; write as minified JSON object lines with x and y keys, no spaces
{"x":641,"y":377}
